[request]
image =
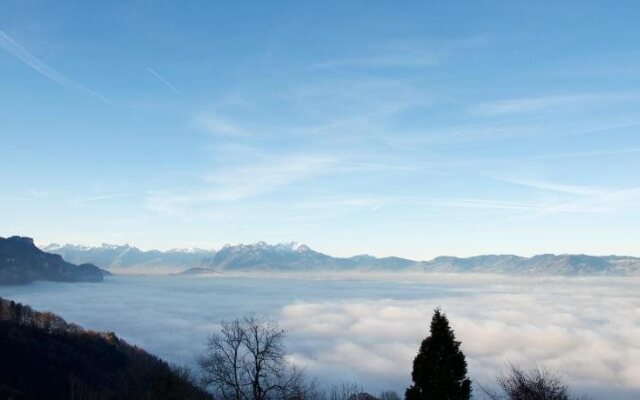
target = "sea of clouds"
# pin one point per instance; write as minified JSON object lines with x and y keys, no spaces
{"x":367,"y":328}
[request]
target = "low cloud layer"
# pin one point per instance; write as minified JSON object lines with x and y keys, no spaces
{"x":369,"y":330}
{"x":591,"y":334}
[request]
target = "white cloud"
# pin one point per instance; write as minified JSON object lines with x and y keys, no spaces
{"x":14,"y":48}
{"x":265,"y":176}
{"x":163,"y":80}
{"x":542,"y":103}
{"x":586,"y":154}
{"x":405,"y":54}
{"x":99,"y":197}
{"x":561,"y":188}
{"x":490,"y":204}
{"x":589,"y":334}
{"x":586,"y":199}
{"x":241,"y":181}
{"x":398,"y":60}
{"x":219,"y":125}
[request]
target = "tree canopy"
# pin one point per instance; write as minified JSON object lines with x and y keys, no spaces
{"x":440,"y":368}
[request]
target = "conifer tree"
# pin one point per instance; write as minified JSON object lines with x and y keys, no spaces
{"x":440,"y":368}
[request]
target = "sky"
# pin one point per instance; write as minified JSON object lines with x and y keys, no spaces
{"x":414,"y":129}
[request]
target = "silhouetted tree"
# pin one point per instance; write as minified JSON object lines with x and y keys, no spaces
{"x":246,"y":361}
{"x":439,"y":369}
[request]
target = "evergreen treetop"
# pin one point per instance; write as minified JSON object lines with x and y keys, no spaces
{"x":440,"y":368}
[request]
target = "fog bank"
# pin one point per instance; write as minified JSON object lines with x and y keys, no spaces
{"x":367,"y":328}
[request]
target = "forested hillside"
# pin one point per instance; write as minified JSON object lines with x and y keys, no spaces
{"x":44,"y":357}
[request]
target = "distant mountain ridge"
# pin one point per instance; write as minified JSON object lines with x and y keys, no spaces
{"x":294,"y":257}
{"x":543,"y":264}
{"x":114,"y":257}
{"x":22,"y":262}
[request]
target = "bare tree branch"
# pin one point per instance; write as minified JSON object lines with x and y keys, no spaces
{"x":246,"y":360}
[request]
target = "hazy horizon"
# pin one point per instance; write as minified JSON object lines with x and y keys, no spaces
{"x":97,"y":245}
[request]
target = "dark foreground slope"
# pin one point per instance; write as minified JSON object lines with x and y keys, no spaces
{"x":22,"y":262}
{"x":44,"y":357}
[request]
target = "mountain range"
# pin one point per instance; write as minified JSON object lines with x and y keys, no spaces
{"x":22,"y":262}
{"x":294,"y":257}
{"x":123,"y":257}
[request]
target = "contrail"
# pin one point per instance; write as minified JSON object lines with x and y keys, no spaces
{"x":11,"y":46}
{"x":166,"y":82}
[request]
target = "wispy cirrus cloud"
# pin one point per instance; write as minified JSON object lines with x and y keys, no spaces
{"x":100,"y":197}
{"x":218,"y":125}
{"x":44,"y":194}
{"x":74,"y":198}
{"x":585,"y":154}
{"x":560,"y":187}
{"x":267,"y":175}
{"x":491,"y":204}
{"x":163,"y":80}
{"x":386,"y":61}
{"x":15,"y":49}
{"x":343,"y":109}
{"x":584,"y":199}
{"x":404,"y":54}
{"x":565,"y":199}
{"x":242,"y":181}
{"x":542,"y":103}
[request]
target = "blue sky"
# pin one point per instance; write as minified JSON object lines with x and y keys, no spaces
{"x":407,"y":128}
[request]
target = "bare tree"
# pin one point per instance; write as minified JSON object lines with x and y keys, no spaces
{"x":536,"y":384}
{"x":345,"y":391}
{"x":246,"y":361}
{"x":222,"y":366}
{"x":389,"y":395}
